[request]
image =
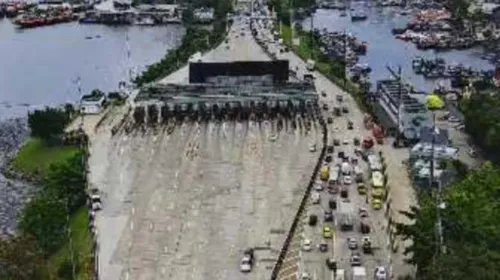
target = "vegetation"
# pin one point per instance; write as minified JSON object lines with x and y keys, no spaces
{"x":282,"y":8}
{"x":35,"y":157}
{"x":470,"y":229}
{"x":334,"y":70}
{"x":196,"y":39}
{"x":48,"y":124}
{"x":41,"y":249}
{"x":482,"y":121}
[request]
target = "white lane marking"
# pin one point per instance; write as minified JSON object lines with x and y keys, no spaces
{"x":133,"y":210}
{"x":132,"y":225}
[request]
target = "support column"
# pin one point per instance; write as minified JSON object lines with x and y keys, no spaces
{"x":159,"y":105}
{"x":146,"y":114}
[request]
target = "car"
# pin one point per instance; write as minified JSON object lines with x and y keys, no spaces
{"x":315,"y":198}
{"x":95,"y":200}
{"x":376,"y":204}
{"x":328,"y":217}
{"x":329,"y":149}
{"x":339,"y":98}
{"x":341,"y":154}
{"x":355,"y":259}
{"x":325,"y":107}
{"x":313,"y":220}
{"x":347,"y":180}
{"x":312,"y":148}
{"x":345,"y":142}
{"x":364,"y":228}
{"x":472,"y":153}
{"x":305,"y":276}
{"x":246,"y":262}
{"x":350,"y":125}
{"x":323,"y":247}
{"x":380,"y":273}
{"x":344,"y":193}
{"x":323,"y":93}
{"x":356,"y":141}
{"x":332,"y":204}
{"x":306,"y":245}
{"x":327,"y":231}
{"x":345,"y":109}
{"x":336,"y":142}
{"x":329,"y":120}
{"x":367,"y":245}
{"x":331,"y":264}
{"x":318,"y":187}
{"x":352,"y":243}
{"x":363,"y":212}
{"x":328,"y":158}
{"x":273,"y":137}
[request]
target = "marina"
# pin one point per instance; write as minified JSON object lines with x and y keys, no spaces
{"x":385,"y":50}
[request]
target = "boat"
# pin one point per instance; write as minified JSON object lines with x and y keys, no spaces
{"x":359,"y":16}
{"x":146,"y":21}
{"x":343,"y":14}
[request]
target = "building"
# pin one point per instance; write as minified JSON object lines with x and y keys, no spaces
{"x":93,"y":103}
{"x":204,"y":15}
{"x":399,"y":111}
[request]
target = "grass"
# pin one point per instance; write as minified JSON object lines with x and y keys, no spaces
{"x":35,"y":157}
{"x":82,"y":244}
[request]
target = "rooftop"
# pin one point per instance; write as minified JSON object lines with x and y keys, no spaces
{"x":94,"y":96}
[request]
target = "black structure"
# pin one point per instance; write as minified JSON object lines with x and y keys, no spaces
{"x":199,"y":72}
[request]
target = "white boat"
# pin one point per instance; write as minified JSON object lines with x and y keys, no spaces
{"x":144,"y":21}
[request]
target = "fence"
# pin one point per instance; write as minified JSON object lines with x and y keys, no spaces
{"x":300,"y":211}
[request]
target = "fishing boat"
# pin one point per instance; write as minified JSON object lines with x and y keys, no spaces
{"x":360,"y":16}
{"x":145,"y":21}
{"x":343,"y":14}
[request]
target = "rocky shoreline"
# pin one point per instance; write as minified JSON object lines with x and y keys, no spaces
{"x":15,"y":191}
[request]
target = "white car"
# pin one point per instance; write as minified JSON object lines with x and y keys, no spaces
{"x":315,"y":198}
{"x":346,"y":142}
{"x":306,"y":245}
{"x":305,"y":276}
{"x":347,"y":180}
{"x":312,"y":148}
{"x":318,"y":187}
{"x":273,"y":137}
{"x":380,"y":273}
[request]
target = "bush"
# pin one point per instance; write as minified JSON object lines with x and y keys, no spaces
{"x":48,"y":124}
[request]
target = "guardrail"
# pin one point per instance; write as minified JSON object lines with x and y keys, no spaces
{"x":303,"y":203}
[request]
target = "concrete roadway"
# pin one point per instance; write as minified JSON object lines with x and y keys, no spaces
{"x":314,"y":262}
{"x":185,"y":205}
{"x":239,"y":48}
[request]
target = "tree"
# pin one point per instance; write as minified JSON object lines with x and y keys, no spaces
{"x":470,"y":229}
{"x":48,"y":124}
{"x":21,"y":259}
{"x":44,"y":218}
{"x":66,"y":181}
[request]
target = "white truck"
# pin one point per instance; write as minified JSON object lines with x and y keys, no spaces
{"x":346,"y":216}
{"x":359,"y":273}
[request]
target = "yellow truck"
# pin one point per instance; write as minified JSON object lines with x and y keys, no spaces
{"x":324,"y":173}
{"x":377,"y":191}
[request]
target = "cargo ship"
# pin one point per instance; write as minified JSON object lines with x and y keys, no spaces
{"x":32,"y":21}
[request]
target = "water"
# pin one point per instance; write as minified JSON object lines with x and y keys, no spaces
{"x":384,"y":49}
{"x":40,"y":66}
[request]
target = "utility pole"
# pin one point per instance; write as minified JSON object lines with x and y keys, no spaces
{"x":312,"y":37}
{"x":345,"y":58}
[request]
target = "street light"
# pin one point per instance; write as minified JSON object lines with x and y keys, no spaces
{"x":433,"y":102}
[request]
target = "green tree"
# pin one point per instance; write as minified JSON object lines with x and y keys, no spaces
{"x":470,"y":229}
{"x":44,"y":218}
{"x":66,"y":181}
{"x":48,"y":124}
{"x":21,"y":259}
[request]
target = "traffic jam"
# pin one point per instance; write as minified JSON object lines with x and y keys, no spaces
{"x":344,"y":236}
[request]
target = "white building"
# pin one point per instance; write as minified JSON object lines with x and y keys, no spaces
{"x":93,"y":103}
